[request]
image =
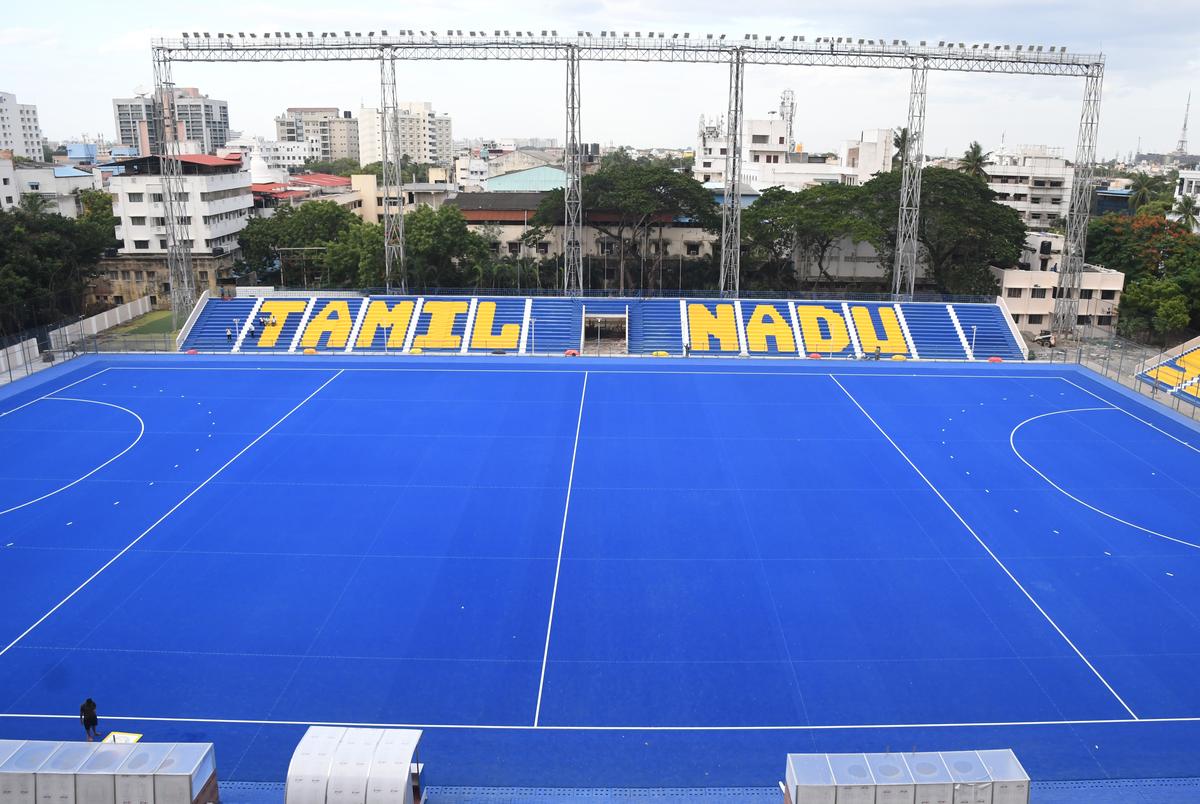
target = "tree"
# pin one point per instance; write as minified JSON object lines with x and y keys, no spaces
{"x":34,"y":204}
{"x":627,"y":200}
{"x":1143,"y":189}
{"x":314,"y":224}
{"x":1187,"y":210}
{"x":962,"y":229}
{"x":900,"y":143}
{"x":1154,"y":306}
{"x":439,"y":249}
{"x":1155,"y":208}
{"x":785,"y":227}
{"x":974,"y":161}
{"x":356,"y":258}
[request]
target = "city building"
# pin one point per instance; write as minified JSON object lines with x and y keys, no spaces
{"x":1030,"y":289}
{"x":20,"y":131}
{"x":270,"y":196}
{"x":1188,"y":184}
{"x":283,"y":156}
{"x":430,"y":194}
{"x":333,"y":133}
{"x":202,"y":120}
{"x":771,"y":159}
{"x":213,"y":209}
{"x":425,"y":136}
{"x":1035,"y":181}
{"x":57,"y":185}
{"x":531,"y":180}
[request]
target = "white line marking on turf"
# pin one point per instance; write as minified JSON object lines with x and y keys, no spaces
{"x":162,"y":518}
{"x":1132,"y":416}
{"x":537,"y":712}
{"x":1012,"y":445}
{"x":715,"y":372}
{"x":527,"y":727}
{"x":55,"y":391}
{"x":141,"y":432}
{"x":984,"y":545}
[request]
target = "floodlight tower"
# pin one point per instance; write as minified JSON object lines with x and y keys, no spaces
{"x":787,"y":112}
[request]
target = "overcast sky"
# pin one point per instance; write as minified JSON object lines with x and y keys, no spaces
{"x":73,"y":58}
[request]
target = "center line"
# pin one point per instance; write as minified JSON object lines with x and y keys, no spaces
{"x":537,"y":712}
{"x":983,"y":544}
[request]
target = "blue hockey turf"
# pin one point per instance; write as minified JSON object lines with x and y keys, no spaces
{"x":588,"y":572}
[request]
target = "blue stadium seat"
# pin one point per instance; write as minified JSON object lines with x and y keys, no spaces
{"x":654,"y":327}
{"x":218,"y":315}
{"x":556,"y":325}
{"x":993,"y":338}
{"x":933,"y":332}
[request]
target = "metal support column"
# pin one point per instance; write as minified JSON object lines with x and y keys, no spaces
{"x":392,"y":175}
{"x":167,"y":134}
{"x":1070,"y":276}
{"x":731,"y":205}
{"x":572,"y":190}
{"x":907,"y":257}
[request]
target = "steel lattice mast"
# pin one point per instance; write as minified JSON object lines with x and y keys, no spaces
{"x":572,"y":185}
{"x":731,"y":204}
{"x":392,"y":176}
{"x":662,"y":47}
{"x":1069,"y":279}
{"x":907,"y":257}
{"x":179,"y":244}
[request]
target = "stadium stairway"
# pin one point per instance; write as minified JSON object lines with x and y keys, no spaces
{"x":992,"y":337}
{"x":932,"y":331}
{"x":555,"y":325}
{"x":289,"y":315}
{"x":655,"y":328}
{"x":208,"y":333}
{"x":1178,"y":374}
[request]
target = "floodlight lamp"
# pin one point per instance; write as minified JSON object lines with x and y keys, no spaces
{"x":543,"y":33}
{"x":383,"y":32}
{"x":721,"y":37}
{"x":358,"y":33}
{"x":241,"y":34}
{"x":860,"y":41}
{"x":687,"y":35}
{"x":347,"y":33}
{"x":195,"y":34}
{"x":253,"y":35}
{"x":802,"y":39}
{"x":287,"y":34}
{"x":185,"y":36}
{"x":206,"y":35}
{"x":922,"y":43}
{"x":553,"y":33}
{"x":746,"y":36}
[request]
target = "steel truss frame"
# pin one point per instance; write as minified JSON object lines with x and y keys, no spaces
{"x":659,"y":47}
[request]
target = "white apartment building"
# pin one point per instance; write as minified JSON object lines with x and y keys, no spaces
{"x":333,"y":133}
{"x":57,"y":185}
{"x":1188,"y":184}
{"x":20,"y":131}
{"x":768,"y":160}
{"x":1035,"y":181}
{"x":9,"y":195}
{"x":425,"y":136}
{"x":1030,"y":289}
{"x":280,"y":156}
{"x":202,"y":119}
{"x":214,"y":207}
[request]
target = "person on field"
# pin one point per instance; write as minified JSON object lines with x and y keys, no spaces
{"x":87,"y":716}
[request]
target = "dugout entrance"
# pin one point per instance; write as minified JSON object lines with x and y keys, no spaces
{"x":605,"y":334}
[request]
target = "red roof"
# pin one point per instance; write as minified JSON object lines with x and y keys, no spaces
{"x":210,"y":161}
{"x":321,"y":180}
{"x":269,"y":187}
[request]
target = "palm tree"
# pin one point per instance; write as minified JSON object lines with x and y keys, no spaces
{"x":34,"y":204}
{"x":1142,"y":187}
{"x":974,"y":160}
{"x":899,"y":142}
{"x":1187,"y":210}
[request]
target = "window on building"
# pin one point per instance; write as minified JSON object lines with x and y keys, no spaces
{"x":693,"y":249}
{"x":707,"y":164}
{"x":157,"y":198}
{"x":708,"y":151}
{"x":137,"y":275}
{"x":1108,"y":295}
{"x":758,"y":139}
{"x":136,"y":198}
{"x":125,"y":275}
{"x":1015,"y":293}
{"x":607,"y":247}
{"x":1085,"y":293}
{"x":514,"y":246}
{"x":1036,"y":319}
{"x":1037,"y":293}
{"x":203,"y":275}
{"x":118,"y":299}
{"x":494,"y":247}
{"x":162,"y":242}
{"x":1037,"y":216}
{"x":781,"y":142}
{"x":754,"y":158}
{"x":723,"y":151}
{"x":141,"y":244}
{"x":707,"y":177}
{"x":1104,"y":320}
{"x":35,"y":186}
{"x":5,"y":181}
{"x":1016,"y":317}
{"x":543,"y":247}
{"x":138,"y":220}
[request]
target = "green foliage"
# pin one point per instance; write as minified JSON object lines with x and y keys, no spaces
{"x":627,"y":199}
{"x":782,"y":227}
{"x":440,"y":251}
{"x":349,"y":167}
{"x":1152,"y":209}
{"x":33,"y":203}
{"x":46,"y":261}
{"x":314,"y":225}
{"x":1161,"y":262}
{"x":962,"y":229}
{"x":974,"y":161}
{"x":337,"y":167}
{"x":1188,"y":211}
{"x":96,"y":209}
{"x":899,"y":142}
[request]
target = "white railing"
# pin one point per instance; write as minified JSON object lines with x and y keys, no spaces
{"x":186,"y":329}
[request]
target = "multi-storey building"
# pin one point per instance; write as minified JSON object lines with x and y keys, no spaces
{"x":770,"y":158}
{"x":333,"y":133}
{"x":20,"y":131}
{"x":1035,"y":181}
{"x":280,"y":156}
{"x":202,"y":119}
{"x":57,"y":185}
{"x":1188,"y":184}
{"x":425,"y":136}
{"x":213,"y":207}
